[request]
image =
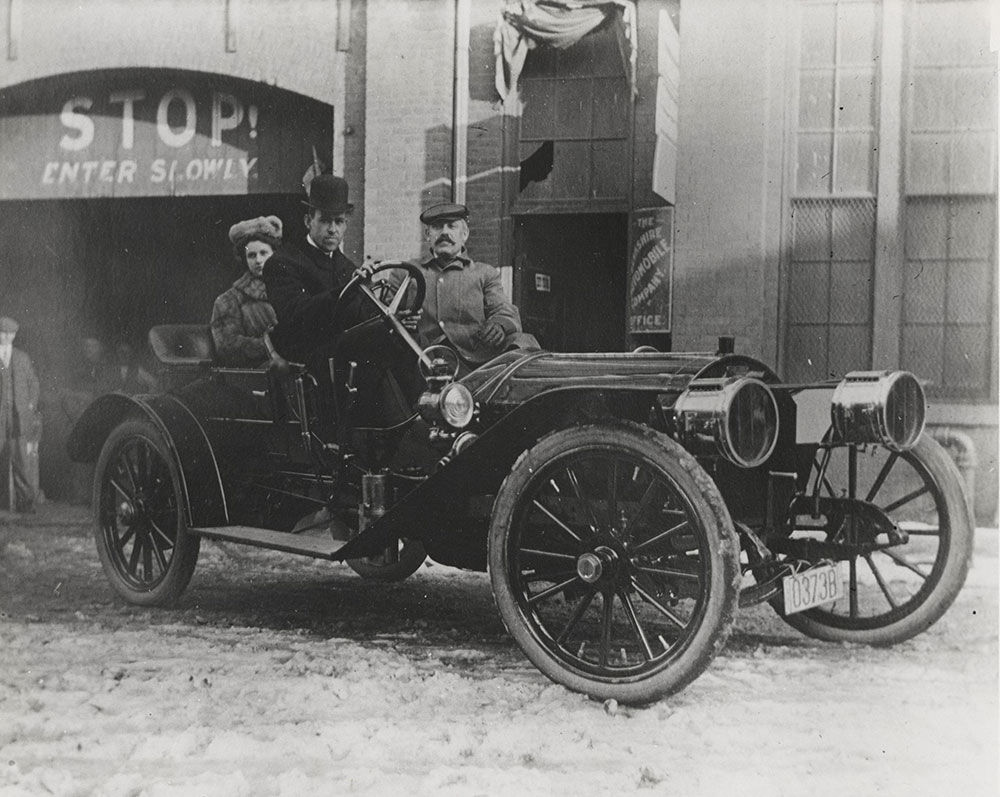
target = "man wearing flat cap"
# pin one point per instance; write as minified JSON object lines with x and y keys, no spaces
{"x":19,"y":421}
{"x":465,"y":307}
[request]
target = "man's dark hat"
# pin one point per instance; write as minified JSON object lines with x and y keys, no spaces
{"x":328,"y":193}
{"x":446,"y":211}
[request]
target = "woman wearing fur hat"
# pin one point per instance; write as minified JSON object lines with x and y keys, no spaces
{"x":242,"y":314}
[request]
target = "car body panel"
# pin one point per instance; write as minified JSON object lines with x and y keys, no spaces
{"x":183,"y":433}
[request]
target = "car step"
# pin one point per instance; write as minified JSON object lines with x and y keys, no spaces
{"x":320,"y":546}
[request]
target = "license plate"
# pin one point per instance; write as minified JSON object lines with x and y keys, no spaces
{"x":812,"y":587}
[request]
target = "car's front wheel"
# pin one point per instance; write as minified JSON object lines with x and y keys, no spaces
{"x":141,"y":530}
{"x":614,"y":562}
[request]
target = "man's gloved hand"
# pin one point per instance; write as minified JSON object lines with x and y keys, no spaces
{"x":410,"y":319}
{"x":366,"y":269}
{"x":491,"y":333}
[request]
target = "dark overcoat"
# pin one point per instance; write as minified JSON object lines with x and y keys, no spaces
{"x":303,"y":285}
{"x":23,"y":414}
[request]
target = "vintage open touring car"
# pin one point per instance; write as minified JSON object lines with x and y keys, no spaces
{"x":625,"y":505}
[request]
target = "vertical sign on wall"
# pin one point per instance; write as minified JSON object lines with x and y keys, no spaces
{"x":650,"y":270}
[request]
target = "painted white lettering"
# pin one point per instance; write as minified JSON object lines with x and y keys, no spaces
{"x":107,"y":173}
{"x":194,"y":169}
{"x":89,"y":167}
{"x":84,"y":125}
{"x":69,"y":171}
{"x":645,"y":238}
{"x":158,"y":171}
{"x":128,"y":99}
{"x":212,"y":167}
{"x":167,"y":134}
{"x":126,"y":171}
{"x":228,"y":173}
{"x":247,"y":165}
{"x":655,"y":254}
{"x":649,"y":290}
{"x":652,"y":258}
{"x":227,"y":113}
{"x":49,"y":175}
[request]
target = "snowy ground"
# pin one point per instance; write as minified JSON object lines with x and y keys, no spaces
{"x":283,"y":676}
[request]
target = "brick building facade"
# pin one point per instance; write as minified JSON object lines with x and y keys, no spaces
{"x":784,"y":171}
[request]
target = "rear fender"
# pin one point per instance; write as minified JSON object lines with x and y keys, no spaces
{"x":201,"y":482}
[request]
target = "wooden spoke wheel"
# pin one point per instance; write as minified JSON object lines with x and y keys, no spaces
{"x":893,"y":590}
{"x":141,"y":529}
{"x":614,"y":562}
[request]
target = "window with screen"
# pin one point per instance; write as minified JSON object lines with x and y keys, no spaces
{"x":829,"y":275}
{"x":949,"y":204}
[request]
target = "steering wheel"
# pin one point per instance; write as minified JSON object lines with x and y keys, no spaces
{"x":389,"y":310}
{"x":444,"y":362}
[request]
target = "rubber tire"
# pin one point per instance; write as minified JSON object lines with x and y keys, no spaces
{"x":961,"y":533}
{"x":168,"y":588}
{"x":411,"y":557}
{"x":700,"y":491}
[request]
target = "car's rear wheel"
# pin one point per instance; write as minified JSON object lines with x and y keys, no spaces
{"x":893,"y":591}
{"x":395,"y":564}
{"x":141,"y":530}
{"x":614,"y":562}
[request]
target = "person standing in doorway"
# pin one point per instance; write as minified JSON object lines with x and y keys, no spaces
{"x":132,"y":379}
{"x":20,"y":424}
{"x":93,"y":375}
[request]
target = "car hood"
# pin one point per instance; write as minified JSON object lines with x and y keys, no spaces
{"x":516,"y":376}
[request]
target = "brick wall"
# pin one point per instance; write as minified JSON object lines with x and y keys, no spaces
{"x":484,"y":139}
{"x":289,"y":43}
{"x":351,"y":130}
{"x":408,"y":129}
{"x":410,"y":55}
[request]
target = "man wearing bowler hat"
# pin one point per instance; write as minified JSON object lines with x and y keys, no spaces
{"x":465,"y":307}
{"x":303,"y":283}
{"x":19,"y":421}
{"x":303,"y":286}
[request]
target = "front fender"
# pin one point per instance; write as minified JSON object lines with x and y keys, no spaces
{"x":201,"y":482}
{"x":483,"y":465}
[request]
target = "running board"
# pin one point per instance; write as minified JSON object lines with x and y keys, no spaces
{"x":320,"y":547}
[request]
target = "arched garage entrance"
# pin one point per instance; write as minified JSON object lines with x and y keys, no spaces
{"x":117,"y":190}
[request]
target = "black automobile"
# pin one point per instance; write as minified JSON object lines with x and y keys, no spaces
{"x":625,"y":505}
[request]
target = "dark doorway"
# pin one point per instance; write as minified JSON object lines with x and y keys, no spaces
{"x":111,"y":269}
{"x":115,"y":267}
{"x":571,"y":279}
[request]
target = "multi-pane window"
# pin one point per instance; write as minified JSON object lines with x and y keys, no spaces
{"x":829,"y":275}
{"x":830,"y":288}
{"x":946,"y":133}
{"x":949,"y":205}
